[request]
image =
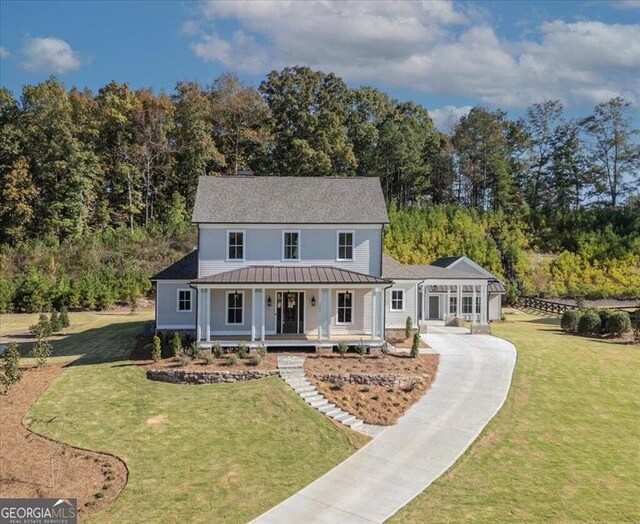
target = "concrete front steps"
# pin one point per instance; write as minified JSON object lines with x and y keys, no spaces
{"x":292,"y":372}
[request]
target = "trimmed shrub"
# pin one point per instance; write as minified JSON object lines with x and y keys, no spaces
{"x":408,"y":327}
{"x":570,"y":319}
{"x":619,"y":323}
{"x":217,"y":350}
{"x":232,"y":360}
{"x":184,"y":360}
{"x":604,"y":315}
{"x":255,"y":360}
{"x":589,"y":323}
{"x":415,"y":345}
{"x":208,"y":357}
{"x":156,"y":350}
{"x":261,"y":350}
{"x":361,"y":349}
{"x":241,"y":350}
{"x":193,"y":350}
{"x":176,"y":345}
{"x":10,"y":367}
{"x":343,"y":348}
{"x":64,"y":318}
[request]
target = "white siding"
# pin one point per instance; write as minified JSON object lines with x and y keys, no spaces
{"x":263,"y":246}
{"x":398,"y":319}
{"x":495,"y":306}
{"x":168,"y":316}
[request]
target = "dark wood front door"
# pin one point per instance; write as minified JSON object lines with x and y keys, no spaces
{"x":290,"y":312}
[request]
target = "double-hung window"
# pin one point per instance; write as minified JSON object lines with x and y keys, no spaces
{"x":235,"y":245}
{"x":453,"y":304}
{"x":235,"y":308}
{"x":345,"y":307}
{"x":467,"y":305}
{"x":397,"y":300}
{"x":291,"y":245}
{"x":345,"y":245}
{"x":184,"y":300}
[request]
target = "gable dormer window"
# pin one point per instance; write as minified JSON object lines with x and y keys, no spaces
{"x":345,"y":245}
{"x":291,"y":245}
{"x":235,"y":245}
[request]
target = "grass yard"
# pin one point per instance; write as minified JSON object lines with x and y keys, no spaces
{"x":210,"y":453}
{"x":564,"y":448}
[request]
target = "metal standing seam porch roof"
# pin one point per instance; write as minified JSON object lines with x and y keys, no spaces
{"x":290,"y":275}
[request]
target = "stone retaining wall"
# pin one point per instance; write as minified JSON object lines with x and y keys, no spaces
{"x":379,"y":379}
{"x":182,"y":376}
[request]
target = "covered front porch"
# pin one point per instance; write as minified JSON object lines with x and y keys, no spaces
{"x":304,"y":304}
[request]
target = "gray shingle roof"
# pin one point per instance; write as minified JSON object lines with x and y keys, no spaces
{"x":493,"y":287}
{"x":445,"y":261}
{"x":289,"y":200}
{"x":431,"y":271}
{"x":184,"y":269}
{"x":290,"y":275}
{"x":394,"y":270}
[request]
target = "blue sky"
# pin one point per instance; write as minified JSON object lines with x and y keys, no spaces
{"x":447,"y":56}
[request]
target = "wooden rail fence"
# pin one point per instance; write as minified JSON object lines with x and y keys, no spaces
{"x":547,"y":306}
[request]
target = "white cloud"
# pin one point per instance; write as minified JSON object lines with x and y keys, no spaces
{"x":626,"y":4}
{"x":435,"y":47}
{"x":445,"y":118}
{"x":3,"y":52}
{"x":50,"y":55}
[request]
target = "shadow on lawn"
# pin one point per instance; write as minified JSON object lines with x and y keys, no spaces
{"x":111,"y":343}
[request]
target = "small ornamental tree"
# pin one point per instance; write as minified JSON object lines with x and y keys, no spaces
{"x":41,"y":351}
{"x":43,"y":328}
{"x":176,"y":345}
{"x":56,"y":323}
{"x":64,"y":318}
{"x":156,"y":351}
{"x":589,"y":323}
{"x":241,"y":350}
{"x":619,"y":323}
{"x":10,"y":372}
{"x":415,"y":345}
{"x":262,"y":350}
{"x":570,"y":319}
{"x":408,"y":328}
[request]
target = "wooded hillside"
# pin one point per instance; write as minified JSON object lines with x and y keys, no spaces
{"x":92,"y":185}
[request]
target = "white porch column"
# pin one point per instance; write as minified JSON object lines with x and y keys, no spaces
{"x":254,"y":314}
{"x":264,"y":308}
{"x":207,"y":310}
{"x":447,"y":309}
{"x":329,"y":312}
{"x":199,"y":315}
{"x":459,"y":301}
{"x":372,"y":311}
{"x":474,"y":317}
{"x":484,"y":304}
{"x":320,"y":315}
{"x":425,"y":305}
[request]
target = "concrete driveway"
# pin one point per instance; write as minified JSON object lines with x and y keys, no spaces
{"x":374,"y":483}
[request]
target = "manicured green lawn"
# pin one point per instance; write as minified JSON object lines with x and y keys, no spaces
{"x":564,"y":448}
{"x":211,"y":453}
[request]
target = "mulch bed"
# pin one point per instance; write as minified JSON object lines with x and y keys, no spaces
{"x":405,"y":343}
{"x":374,"y":404}
{"x":32,"y":466}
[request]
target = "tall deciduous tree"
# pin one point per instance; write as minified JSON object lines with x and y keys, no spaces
{"x":309,"y":111}
{"x":242,"y":122}
{"x":612,"y":150}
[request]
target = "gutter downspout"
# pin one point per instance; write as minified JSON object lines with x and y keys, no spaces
{"x":417,"y":305}
{"x":384,"y":312}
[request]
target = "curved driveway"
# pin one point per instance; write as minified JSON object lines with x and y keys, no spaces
{"x":374,"y":483}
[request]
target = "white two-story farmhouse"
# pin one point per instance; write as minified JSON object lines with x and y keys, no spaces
{"x":298,"y":261}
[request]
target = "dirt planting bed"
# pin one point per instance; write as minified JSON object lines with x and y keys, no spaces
{"x":32,"y":466}
{"x":375,"y":404}
{"x":268,"y":363}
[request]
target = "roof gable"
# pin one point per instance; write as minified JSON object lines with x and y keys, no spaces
{"x":289,"y":200}
{"x":184,"y":269}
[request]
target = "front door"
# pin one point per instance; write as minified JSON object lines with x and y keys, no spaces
{"x":290,"y":311}
{"x":434,"y":307}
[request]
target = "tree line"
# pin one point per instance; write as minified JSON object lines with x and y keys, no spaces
{"x":73,"y":161}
